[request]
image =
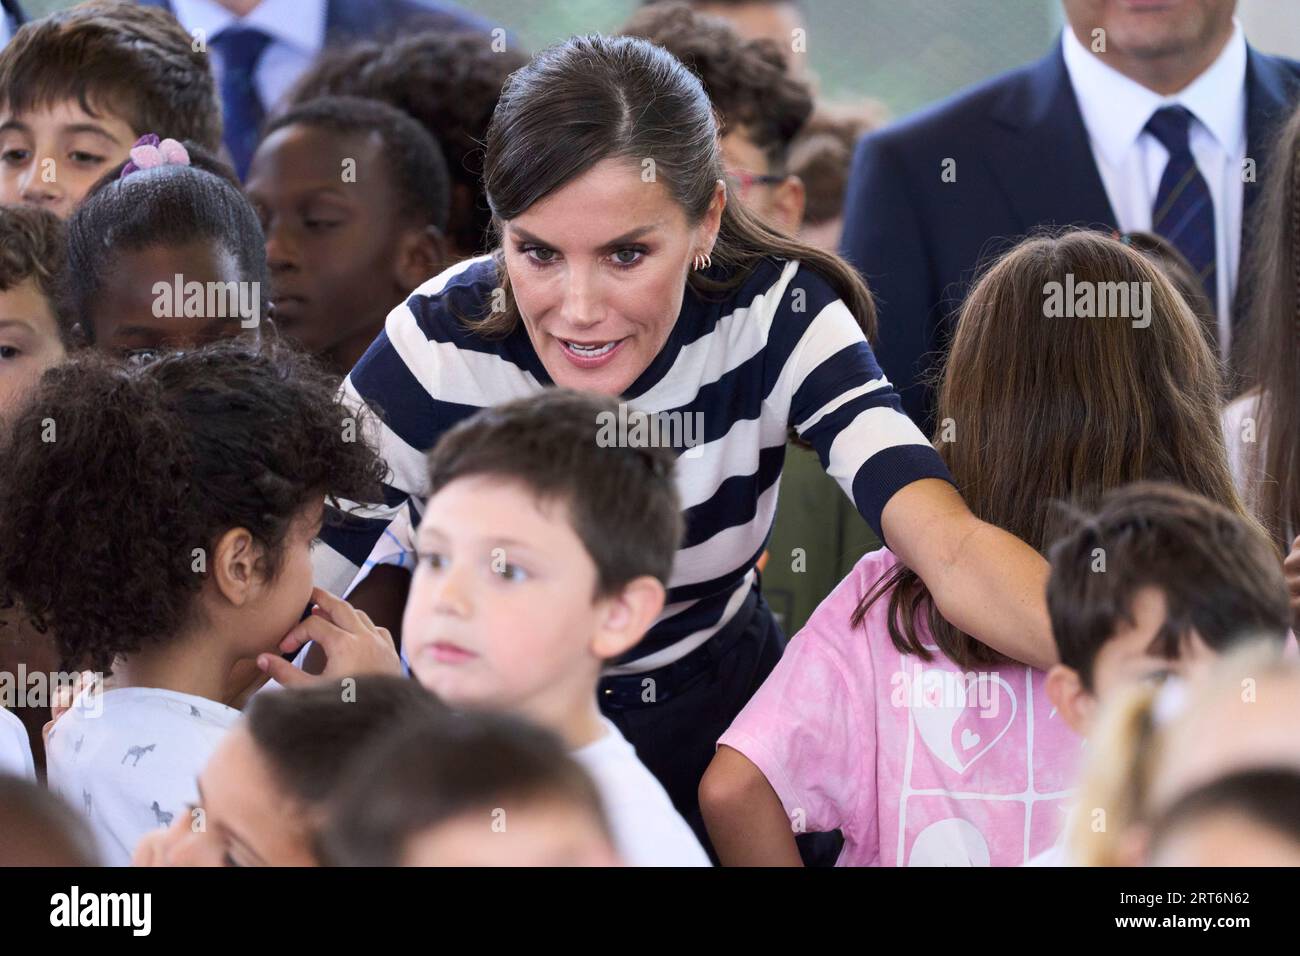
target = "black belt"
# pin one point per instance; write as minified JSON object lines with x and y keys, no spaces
{"x":631,"y":692}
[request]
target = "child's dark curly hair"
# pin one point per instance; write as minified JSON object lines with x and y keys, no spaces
{"x":747,"y":80}
{"x":450,"y":83}
{"x":115,"y":473}
{"x":165,"y":205}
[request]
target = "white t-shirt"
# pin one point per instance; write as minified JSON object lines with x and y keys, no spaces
{"x":131,"y":762}
{"x":15,"y":747}
{"x":648,"y":830}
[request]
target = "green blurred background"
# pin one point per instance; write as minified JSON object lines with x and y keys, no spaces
{"x":904,"y":53}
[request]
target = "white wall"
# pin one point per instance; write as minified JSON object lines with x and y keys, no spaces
{"x":1272,"y":26}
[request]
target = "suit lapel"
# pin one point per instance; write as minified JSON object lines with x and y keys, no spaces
{"x":1040,"y":153}
{"x":1268,"y":100}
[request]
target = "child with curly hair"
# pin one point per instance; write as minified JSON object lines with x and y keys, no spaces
{"x":159,"y":521}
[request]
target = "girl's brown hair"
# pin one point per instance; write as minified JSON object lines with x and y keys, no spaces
{"x":1036,"y":410}
{"x":1273,"y":462}
{"x":593,"y":98}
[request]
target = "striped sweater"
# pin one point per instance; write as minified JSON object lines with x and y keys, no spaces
{"x":780,"y":350}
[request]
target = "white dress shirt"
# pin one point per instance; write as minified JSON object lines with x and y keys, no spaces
{"x":296,"y":28}
{"x":1131,"y":161}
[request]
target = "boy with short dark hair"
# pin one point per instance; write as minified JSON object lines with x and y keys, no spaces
{"x":352,"y":195}
{"x":1157,"y":582}
{"x":544,"y":554}
{"x":80,"y":86}
{"x":544,"y":550}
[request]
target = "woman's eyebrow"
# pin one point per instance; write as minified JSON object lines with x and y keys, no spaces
{"x":629,"y":236}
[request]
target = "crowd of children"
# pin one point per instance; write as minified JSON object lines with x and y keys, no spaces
{"x":175,"y":431}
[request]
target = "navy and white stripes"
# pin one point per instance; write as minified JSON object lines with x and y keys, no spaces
{"x":781,"y":350}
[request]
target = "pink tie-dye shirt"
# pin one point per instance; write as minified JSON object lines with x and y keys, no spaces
{"x":919,"y":764}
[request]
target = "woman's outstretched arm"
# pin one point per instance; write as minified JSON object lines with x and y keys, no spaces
{"x":983,"y":580}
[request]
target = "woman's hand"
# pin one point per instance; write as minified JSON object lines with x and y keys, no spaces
{"x":983,"y":580}
{"x":353,"y":645}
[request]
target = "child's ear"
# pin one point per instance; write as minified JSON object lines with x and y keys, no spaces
{"x":421,"y":255}
{"x":627,"y":615}
{"x":234,"y":566}
{"x":789,"y":201}
{"x":1073,"y":702}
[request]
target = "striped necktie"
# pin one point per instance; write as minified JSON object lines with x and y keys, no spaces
{"x":241,"y":49}
{"x":1184,"y":211}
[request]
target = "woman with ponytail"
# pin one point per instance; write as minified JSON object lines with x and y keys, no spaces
{"x":623,"y":267}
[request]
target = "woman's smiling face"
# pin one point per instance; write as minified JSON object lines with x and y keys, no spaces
{"x":598,"y":269}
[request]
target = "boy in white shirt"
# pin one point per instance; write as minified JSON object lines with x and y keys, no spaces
{"x":544,"y":553}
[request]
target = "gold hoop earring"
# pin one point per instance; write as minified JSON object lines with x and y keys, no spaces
{"x":702,"y":261}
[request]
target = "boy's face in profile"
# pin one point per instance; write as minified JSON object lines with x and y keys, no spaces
{"x":29,"y":342}
{"x":536,"y":833}
{"x":1131,"y":654}
{"x":502,"y":611}
{"x":50,"y":157}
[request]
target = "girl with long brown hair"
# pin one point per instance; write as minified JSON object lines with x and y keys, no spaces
{"x":885,"y":719}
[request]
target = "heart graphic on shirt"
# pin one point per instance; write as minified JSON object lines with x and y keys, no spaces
{"x":962,"y":716}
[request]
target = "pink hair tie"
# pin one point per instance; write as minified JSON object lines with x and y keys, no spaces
{"x":149,"y":151}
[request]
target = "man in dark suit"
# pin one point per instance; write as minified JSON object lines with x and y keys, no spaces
{"x":11,"y":18}
{"x":260,"y":47}
{"x":1143,"y":117}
